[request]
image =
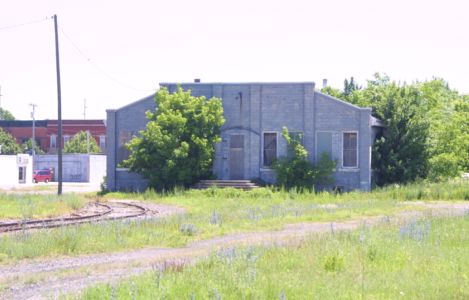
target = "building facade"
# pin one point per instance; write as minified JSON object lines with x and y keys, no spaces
{"x":46,"y":132}
{"x":252,"y":139}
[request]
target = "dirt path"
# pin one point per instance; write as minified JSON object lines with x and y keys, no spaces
{"x":50,"y":278}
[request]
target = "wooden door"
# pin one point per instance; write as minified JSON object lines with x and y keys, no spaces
{"x":236,"y":156}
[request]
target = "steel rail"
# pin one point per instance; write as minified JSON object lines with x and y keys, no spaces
{"x":59,"y":222}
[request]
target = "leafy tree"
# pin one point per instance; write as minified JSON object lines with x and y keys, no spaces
{"x":401,"y":154}
{"x":350,"y":87}
{"x":296,"y":171}
{"x":28,"y":146}
{"x":178,"y":145}
{"x":333,"y":92}
{"x":448,"y":113}
{"x":351,"y":93}
{"x":81,"y":143}
{"x":8,"y":143}
{"x":6,"y":115}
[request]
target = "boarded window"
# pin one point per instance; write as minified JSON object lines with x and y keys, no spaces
{"x":350,"y":150}
{"x":324,"y":140}
{"x":270,"y":148}
{"x":295,"y":136}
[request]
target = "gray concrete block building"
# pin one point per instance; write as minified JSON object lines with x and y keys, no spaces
{"x":252,"y":139}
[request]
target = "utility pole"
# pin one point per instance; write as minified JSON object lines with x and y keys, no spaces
{"x":88,"y":141}
{"x":33,"y":142}
{"x":59,"y":108}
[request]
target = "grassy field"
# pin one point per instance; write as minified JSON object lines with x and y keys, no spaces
{"x":425,"y":259}
{"x":216,"y":212}
{"x":29,"y":206}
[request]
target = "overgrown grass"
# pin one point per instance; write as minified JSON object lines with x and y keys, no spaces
{"x":427,"y":259}
{"x":209,"y":213}
{"x":28,"y":206}
{"x":453,"y":190}
{"x":216,"y":212}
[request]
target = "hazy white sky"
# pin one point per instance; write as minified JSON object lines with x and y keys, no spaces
{"x":140,"y":43}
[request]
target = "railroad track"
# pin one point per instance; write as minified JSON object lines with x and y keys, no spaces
{"x":108,"y":211}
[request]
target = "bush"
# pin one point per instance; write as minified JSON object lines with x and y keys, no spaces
{"x":178,"y":145}
{"x":298,"y":172}
{"x":443,"y":166}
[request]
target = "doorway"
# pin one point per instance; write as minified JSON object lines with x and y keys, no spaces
{"x":22,"y":174}
{"x":236,"y":156}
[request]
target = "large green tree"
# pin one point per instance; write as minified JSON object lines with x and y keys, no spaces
{"x":6,"y":115}
{"x":427,"y":133}
{"x":401,"y":153}
{"x":178,"y":146}
{"x":82,"y":142}
{"x":8,"y":144}
{"x":449,"y":131}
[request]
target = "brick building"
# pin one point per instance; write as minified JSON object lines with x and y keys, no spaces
{"x":46,"y":131}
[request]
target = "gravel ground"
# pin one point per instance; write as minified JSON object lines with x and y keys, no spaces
{"x":52,"y":277}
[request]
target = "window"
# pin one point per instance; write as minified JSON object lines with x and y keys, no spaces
{"x":102,"y":143}
{"x":350,"y":149}
{"x":295,"y":136}
{"x":66,"y":139}
{"x":324,"y":144}
{"x":270,"y":148}
{"x":53,"y":141}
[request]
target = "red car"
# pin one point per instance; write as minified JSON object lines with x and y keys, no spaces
{"x":42,"y":175}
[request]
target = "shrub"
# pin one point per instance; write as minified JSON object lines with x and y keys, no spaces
{"x":296,"y":171}
{"x":443,"y":166}
{"x":178,"y":145}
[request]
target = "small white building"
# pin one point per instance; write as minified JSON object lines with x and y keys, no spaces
{"x":16,"y":169}
{"x":75,"y":167}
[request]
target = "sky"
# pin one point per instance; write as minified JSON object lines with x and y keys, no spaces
{"x":115,"y":52}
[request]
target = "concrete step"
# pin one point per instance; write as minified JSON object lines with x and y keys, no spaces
{"x":237,"y":184}
{"x":224,"y":181}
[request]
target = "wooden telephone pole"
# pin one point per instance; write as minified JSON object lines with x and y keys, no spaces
{"x":59,"y":109}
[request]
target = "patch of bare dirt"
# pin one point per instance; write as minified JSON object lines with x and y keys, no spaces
{"x":50,"y":278}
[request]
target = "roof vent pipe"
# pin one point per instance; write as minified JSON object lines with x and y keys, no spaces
{"x":324,"y":82}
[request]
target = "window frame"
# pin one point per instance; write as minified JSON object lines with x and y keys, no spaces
{"x":316,"y":154}
{"x":262,"y":151}
{"x":357,"y":163}
{"x":53,"y":145}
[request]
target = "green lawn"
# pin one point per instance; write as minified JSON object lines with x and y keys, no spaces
{"x":216,"y":212}
{"x":426,"y":259}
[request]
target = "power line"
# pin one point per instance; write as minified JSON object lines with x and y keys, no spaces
{"x":23,"y":24}
{"x":98,"y":68}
